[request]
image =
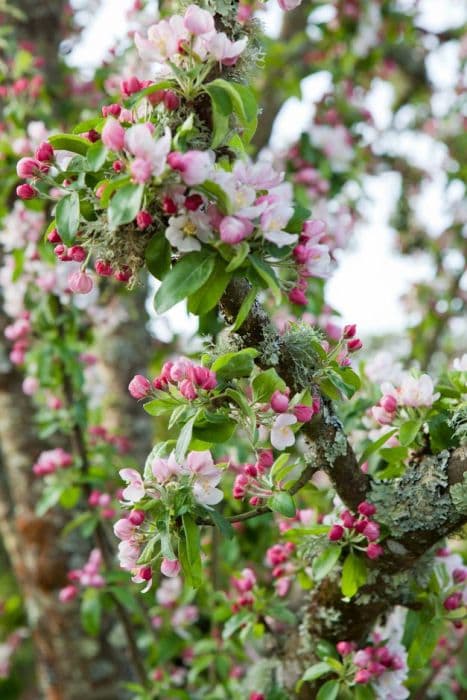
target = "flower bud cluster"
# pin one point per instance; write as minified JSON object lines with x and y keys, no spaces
{"x":52,"y":460}
{"x":87,"y":577}
{"x":354,"y":529}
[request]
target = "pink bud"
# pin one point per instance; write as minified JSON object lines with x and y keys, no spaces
{"x":141,"y":170}
{"x":365,"y":508}
{"x":67,"y":594}
{"x":193,"y":202}
{"x":360,"y":525}
{"x":459,"y":575}
{"x":234,"y":229}
{"x":30,"y":386}
{"x":297,"y":296}
{"x":77,"y":253}
{"x":139,"y":387}
{"x":187,"y":389}
{"x":113,"y":135}
{"x":371,"y":532}
{"x":345,"y":648}
{"x":26,"y":191}
{"x":266,"y":459}
{"x":145,"y":573}
{"x":53,"y":236}
{"x":170,"y":567}
{"x":314,"y":228}
{"x":453,"y":601}
{"x":349,"y":331}
{"x":389,"y":403}
{"x":362,"y":676}
{"x":257,"y":696}
{"x":112,"y":110}
{"x":80,"y":283}
{"x":45,"y":152}
{"x":347,"y":518}
{"x":130,"y":86}
{"x":143,"y":220}
{"x":171,"y":100}
{"x":373,"y":551}
{"x":279,"y":402}
{"x":136,"y":517}
{"x":250,"y":470}
{"x":335,"y":533}
{"x":118,"y":166}
{"x":354,"y":345}
{"x":168,"y":205}
{"x":303,"y":413}
{"x":103,"y":269}
{"x":27,"y":167}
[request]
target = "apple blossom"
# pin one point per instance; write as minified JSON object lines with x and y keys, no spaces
{"x":205,"y":477}
{"x":194,"y":167}
{"x":113,"y":135}
{"x":282,"y":435}
{"x":135,"y":490}
{"x":139,"y":387}
{"x":80,"y":283}
{"x":170,"y":567}
{"x":198,"y":21}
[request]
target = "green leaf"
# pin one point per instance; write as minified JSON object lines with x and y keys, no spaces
{"x":423,"y":645}
{"x":244,"y":309}
{"x":374,"y":447}
{"x":67,"y":217}
{"x":316,"y":671}
{"x":241,"y":253}
{"x":409,"y":431}
{"x":265,"y":384}
{"x":207,"y":297}
{"x":185,"y":278}
{"x":91,"y":611}
{"x":235,"y":622}
{"x":125,"y":204}
{"x":354,"y":574}
{"x":214,"y":191}
{"x":324,"y":563}
{"x":94,"y":123}
{"x":184,"y":439}
{"x":70,"y":142}
{"x":96,"y":156}
{"x":283,"y":503}
{"x":214,"y":427}
{"x":278,"y":467}
{"x":161,"y":405}
{"x":241,"y":402}
{"x":158,"y":255}
{"x":221,"y":105}
{"x":347,"y":390}
{"x":268,"y":276}
{"x":192,"y":550}
{"x":328,"y":691}
{"x":394,"y":454}
{"x":242,"y":101}
{"x":235,"y":364}
{"x":70,"y":497}
{"x":300,"y":215}
{"x":221,"y":523}
{"x":50,"y":496}
{"x":364,"y":692}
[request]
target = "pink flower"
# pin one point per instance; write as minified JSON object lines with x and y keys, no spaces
{"x":194,"y":167}
{"x":170,"y":567}
{"x":381,"y":415}
{"x":128,"y":554}
{"x":80,"y":283}
{"x":224,"y":50}
{"x":135,"y":490}
{"x":198,"y":21}
{"x":30,"y":386}
{"x":287,"y":5}
{"x":165,"y":469}
{"x":187,"y":389}
{"x":141,"y":170}
{"x":206,"y":476}
{"x":113,"y":135}
{"x":139,"y":387}
{"x":139,"y":141}
{"x":234,"y":229}
{"x":124,"y":529}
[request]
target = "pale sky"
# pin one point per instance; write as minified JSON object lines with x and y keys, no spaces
{"x":368,"y":283}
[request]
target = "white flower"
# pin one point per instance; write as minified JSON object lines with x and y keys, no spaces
{"x":282,"y":435}
{"x":206,"y":476}
{"x":185,"y":232}
{"x":135,"y":490}
{"x":417,"y":391}
{"x":460,"y":363}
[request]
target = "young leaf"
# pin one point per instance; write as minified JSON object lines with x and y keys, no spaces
{"x":91,"y":610}
{"x":125,"y":204}
{"x":268,"y":276}
{"x":235,"y":364}
{"x":316,"y":671}
{"x":374,"y":446}
{"x":324,"y":563}
{"x":209,"y":294}
{"x":265,"y":384}
{"x":409,"y":431}
{"x":354,"y":573}
{"x":184,"y":439}
{"x":96,"y":156}
{"x":328,"y":691}
{"x":67,"y":217}
{"x":70,"y":142}
{"x":192,"y":549}
{"x":185,"y":278}
{"x":244,"y":309}
{"x":283,"y":503}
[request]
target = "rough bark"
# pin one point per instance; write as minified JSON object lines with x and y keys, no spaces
{"x":69,"y":666}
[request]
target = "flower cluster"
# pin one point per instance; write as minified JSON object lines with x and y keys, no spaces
{"x":354,"y":529}
{"x":454,"y":590}
{"x":51,"y":461}
{"x":384,"y":666}
{"x":283,"y":569}
{"x":88,"y":576}
{"x":413,"y":392}
{"x":188,"y":377}
{"x":192,"y":38}
{"x":244,"y":585}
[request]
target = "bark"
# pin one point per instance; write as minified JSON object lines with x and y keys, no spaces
{"x":69,"y":667}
